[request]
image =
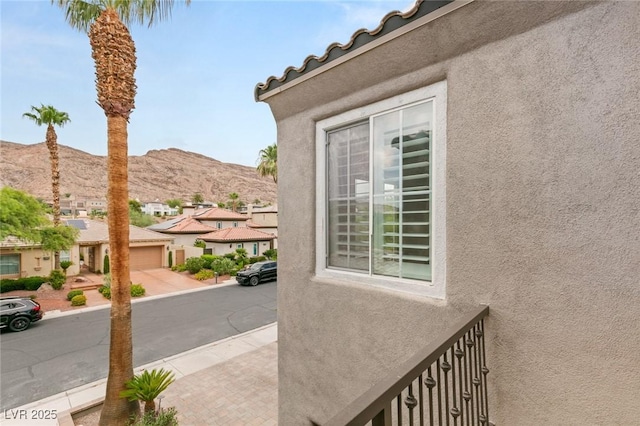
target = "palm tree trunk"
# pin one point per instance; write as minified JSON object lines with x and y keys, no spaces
{"x":116,"y":410}
{"x":52,"y":145}
{"x":150,"y":406}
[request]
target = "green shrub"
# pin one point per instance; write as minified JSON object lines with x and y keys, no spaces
{"x":207,"y":259}
{"x":33,"y":283}
{"x":194,"y":264}
{"x":255,"y":259}
{"x":79,"y":300}
{"x":57,"y":279}
{"x":137,"y":290}
{"x":204,"y":274}
{"x":168,"y":417}
{"x":223,"y":265}
{"x":65,"y":264}
{"x":200,"y":244}
{"x":231,"y":256}
{"x":171,"y":260}
{"x":27,"y":283}
{"x":106,"y":267}
{"x":147,"y":386}
{"x":106,"y":292}
{"x":73,"y":293}
{"x":106,"y":280}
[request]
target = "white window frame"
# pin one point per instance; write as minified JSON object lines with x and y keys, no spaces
{"x":436,"y":288}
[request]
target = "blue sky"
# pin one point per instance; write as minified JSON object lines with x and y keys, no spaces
{"x":196,"y":72}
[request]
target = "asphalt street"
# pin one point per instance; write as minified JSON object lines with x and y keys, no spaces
{"x":62,"y":353}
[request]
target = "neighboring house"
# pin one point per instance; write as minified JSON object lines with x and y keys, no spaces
{"x":220,"y":218}
{"x":19,"y":259}
{"x":157,"y":208}
{"x":184,"y":230}
{"x":188,"y":227}
{"x":264,"y":219}
{"x":228,"y":240}
{"x":147,"y":249}
{"x":461,"y":154}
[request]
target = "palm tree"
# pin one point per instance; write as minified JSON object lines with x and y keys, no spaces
{"x":234,"y":200}
{"x":114,"y":53}
{"x":50,"y":116}
{"x":268,"y":162}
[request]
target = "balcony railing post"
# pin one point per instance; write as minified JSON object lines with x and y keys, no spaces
{"x":383,"y":418}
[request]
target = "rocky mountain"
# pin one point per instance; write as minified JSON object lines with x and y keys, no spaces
{"x":158,"y":175}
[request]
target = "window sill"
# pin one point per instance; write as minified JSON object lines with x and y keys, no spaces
{"x":416,"y":288}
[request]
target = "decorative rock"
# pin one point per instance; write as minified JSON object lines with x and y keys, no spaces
{"x":45,"y":287}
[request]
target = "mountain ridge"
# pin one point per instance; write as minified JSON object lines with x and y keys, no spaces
{"x":160,"y":174}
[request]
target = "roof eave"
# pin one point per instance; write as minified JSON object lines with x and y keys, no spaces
{"x":262,"y":91}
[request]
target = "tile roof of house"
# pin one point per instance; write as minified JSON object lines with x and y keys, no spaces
{"x":98,"y":231}
{"x":252,"y":224}
{"x":391,"y":22}
{"x":215,"y":213}
{"x":236,"y":234}
{"x":182,"y":225}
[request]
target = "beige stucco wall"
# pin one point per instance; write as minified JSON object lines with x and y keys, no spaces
{"x":224,"y":223}
{"x":220,"y":249}
{"x":543,"y":215}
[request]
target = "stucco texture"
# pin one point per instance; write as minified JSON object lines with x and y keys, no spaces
{"x":543,"y":215}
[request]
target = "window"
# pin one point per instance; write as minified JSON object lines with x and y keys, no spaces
{"x":255,"y":249}
{"x":381,"y":192}
{"x":10,"y":264}
{"x":235,"y":224}
{"x":65,"y":256}
{"x":238,"y":245}
{"x":219,"y":225}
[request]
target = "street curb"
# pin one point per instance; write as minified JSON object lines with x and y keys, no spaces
{"x":58,"y":314}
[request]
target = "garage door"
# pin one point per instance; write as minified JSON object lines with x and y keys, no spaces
{"x":145,"y":257}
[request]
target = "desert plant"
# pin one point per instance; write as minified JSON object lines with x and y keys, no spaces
{"x":65,"y":264}
{"x":137,"y":290}
{"x":271,"y":254}
{"x":57,"y":279}
{"x":79,"y":300}
{"x":222,"y":265}
{"x":106,"y":292}
{"x":168,"y":417}
{"x":106,"y":267}
{"x":147,"y":386}
{"x":171,"y":259}
{"x":204,"y":274}
{"x":200,"y":243}
{"x":74,"y":293}
{"x":194,"y":265}
{"x":207,"y":259}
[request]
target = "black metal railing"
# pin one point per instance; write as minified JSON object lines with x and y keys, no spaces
{"x":445,"y":383}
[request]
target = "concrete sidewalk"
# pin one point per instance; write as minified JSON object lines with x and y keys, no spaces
{"x":233,"y":381}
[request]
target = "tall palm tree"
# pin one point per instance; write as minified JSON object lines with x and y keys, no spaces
{"x":268,"y":162}
{"x":50,"y":117}
{"x":234,"y":200}
{"x":114,"y":53}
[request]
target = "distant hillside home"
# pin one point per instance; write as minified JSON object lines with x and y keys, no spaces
{"x":264,"y":219}
{"x":229,"y":239}
{"x":460,"y":157}
{"x":156,"y":208}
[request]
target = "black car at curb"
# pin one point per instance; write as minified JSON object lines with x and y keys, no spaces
{"x":17,"y":313}
{"x":257,"y":273}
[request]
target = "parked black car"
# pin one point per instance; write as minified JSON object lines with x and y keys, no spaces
{"x":18,"y":313}
{"x":258,"y":272}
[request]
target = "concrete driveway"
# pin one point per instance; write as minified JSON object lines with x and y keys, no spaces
{"x":163,"y":281}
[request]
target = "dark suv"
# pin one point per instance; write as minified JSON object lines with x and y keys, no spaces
{"x":18,"y":313}
{"x":258,"y":272}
